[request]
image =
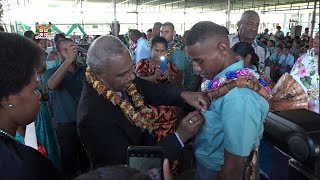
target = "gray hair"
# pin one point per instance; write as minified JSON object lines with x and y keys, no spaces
{"x":103,"y":50}
{"x":248,"y":13}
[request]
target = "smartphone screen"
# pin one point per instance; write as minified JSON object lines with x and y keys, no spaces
{"x":163,"y":63}
{"x":146,"y":159}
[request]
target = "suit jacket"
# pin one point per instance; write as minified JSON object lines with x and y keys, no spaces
{"x":107,"y":133}
{"x":18,"y":161}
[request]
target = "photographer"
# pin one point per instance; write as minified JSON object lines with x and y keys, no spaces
{"x":66,"y":82}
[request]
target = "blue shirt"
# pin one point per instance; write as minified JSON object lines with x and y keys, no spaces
{"x":272,"y":50}
{"x":67,"y":95}
{"x":182,"y":63}
{"x":276,"y":57}
{"x":233,"y":123}
{"x":143,"y":50}
{"x":286,"y":60}
{"x":177,"y":56}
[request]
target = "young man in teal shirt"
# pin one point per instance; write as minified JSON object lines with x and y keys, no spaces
{"x":234,"y":122}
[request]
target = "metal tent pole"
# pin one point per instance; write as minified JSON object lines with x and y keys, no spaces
{"x":313,"y":21}
{"x":115,"y":22}
{"x":228,"y":14}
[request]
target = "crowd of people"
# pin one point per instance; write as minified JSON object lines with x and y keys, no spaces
{"x":207,"y":89}
{"x":285,"y":50}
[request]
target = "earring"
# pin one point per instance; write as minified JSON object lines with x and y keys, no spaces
{"x":10,"y":105}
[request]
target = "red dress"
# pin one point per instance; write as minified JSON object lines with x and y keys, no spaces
{"x":165,"y":116}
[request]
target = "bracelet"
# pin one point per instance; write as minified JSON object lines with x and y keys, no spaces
{"x":178,"y":137}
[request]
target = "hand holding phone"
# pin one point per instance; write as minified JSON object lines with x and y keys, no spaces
{"x":163,"y":64}
{"x":71,"y":53}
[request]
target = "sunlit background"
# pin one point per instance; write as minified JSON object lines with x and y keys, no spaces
{"x":96,"y":16}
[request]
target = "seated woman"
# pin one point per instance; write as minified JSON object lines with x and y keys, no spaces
{"x":246,"y":51}
{"x":19,"y":106}
{"x":149,"y":69}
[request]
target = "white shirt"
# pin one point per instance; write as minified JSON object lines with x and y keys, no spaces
{"x":143,"y":50}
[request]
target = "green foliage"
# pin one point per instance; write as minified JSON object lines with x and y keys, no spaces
{"x":306,"y":81}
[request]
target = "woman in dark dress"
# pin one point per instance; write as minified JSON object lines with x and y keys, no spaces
{"x":19,"y":106}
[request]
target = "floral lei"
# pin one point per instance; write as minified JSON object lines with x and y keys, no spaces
{"x":171,"y":49}
{"x":217,"y":82}
{"x":142,"y":118}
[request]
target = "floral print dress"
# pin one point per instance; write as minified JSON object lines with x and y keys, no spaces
{"x":305,"y":72}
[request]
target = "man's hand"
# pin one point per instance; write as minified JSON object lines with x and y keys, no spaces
{"x":71,"y":53}
{"x":198,"y":100}
{"x":190,"y":125}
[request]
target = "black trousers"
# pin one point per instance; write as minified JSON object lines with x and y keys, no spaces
{"x":73,"y":156}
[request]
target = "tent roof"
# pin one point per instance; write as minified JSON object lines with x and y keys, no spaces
{"x":203,"y":5}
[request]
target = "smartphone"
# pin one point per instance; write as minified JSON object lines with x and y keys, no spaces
{"x":163,"y":63}
{"x":148,"y":159}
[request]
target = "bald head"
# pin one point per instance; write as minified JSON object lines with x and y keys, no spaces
{"x":103,"y":50}
{"x":204,"y":31}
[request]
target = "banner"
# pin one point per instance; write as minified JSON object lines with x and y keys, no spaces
{"x":53,"y":28}
{"x":73,"y":27}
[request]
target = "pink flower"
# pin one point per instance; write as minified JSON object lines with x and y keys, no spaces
{"x":216,"y":83}
{"x":268,"y":89}
{"x":303,"y":71}
{"x":312,"y":105}
{"x":299,"y":60}
{"x":243,"y":72}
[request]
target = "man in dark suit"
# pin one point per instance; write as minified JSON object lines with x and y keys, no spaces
{"x":104,"y":128}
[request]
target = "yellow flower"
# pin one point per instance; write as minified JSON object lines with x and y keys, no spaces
{"x":109,"y":94}
{"x":135,"y":116}
{"x":135,"y":98}
{"x":95,"y":84}
{"x":141,"y":118}
{"x":130,"y":108}
{"x":126,"y":111}
{"x":123,"y":105}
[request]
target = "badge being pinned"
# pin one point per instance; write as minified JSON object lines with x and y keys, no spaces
{"x":43,"y":31}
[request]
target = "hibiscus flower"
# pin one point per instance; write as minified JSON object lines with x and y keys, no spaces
{"x":303,"y":71}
